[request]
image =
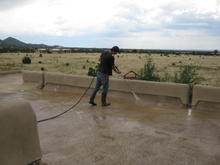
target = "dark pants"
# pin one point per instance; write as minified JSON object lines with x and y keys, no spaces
{"x":102,"y":80}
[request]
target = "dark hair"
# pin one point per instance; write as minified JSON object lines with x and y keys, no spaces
{"x":115,"y":49}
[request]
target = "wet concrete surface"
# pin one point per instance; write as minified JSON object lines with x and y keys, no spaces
{"x":127,"y":132}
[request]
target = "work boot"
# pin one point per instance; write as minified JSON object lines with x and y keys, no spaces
{"x":103,"y":99}
{"x":92,"y":98}
{"x":92,"y":103}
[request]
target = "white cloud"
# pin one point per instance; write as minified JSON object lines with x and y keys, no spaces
{"x":132,"y":22}
{"x":178,"y":40}
{"x":10,"y":4}
{"x":57,"y":18}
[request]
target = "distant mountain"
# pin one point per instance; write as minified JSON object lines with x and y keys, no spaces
{"x":12,"y":43}
{"x":0,"y":43}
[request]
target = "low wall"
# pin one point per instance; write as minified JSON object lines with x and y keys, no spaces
{"x":206,"y":97}
{"x":67,"y":79}
{"x":9,"y":72}
{"x":33,"y":76}
{"x":179,"y":91}
{"x":19,"y":136}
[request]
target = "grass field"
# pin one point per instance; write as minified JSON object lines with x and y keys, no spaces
{"x":78,"y":63}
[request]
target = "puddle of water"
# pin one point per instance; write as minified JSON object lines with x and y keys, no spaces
{"x":189,"y":112}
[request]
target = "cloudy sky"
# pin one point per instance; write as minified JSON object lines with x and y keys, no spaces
{"x":146,"y":24}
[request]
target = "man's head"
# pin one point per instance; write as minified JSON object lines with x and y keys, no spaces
{"x":115,"y":50}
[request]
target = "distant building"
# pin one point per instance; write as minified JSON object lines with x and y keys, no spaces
{"x":66,"y":50}
{"x":42,"y":50}
{"x":54,"y":50}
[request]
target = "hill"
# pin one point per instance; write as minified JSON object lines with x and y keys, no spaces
{"x":12,"y":43}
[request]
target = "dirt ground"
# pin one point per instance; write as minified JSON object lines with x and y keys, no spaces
{"x":79,"y":63}
{"x":127,"y":132}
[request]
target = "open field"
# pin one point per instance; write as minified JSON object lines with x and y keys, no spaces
{"x":78,"y":63}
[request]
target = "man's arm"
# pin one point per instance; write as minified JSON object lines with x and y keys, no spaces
{"x":115,"y":68}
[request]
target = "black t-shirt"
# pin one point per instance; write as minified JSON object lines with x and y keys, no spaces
{"x":106,"y":63}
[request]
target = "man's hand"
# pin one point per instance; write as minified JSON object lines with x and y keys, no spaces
{"x":115,"y":68}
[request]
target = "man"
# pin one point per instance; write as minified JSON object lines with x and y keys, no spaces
{"x":107,"y":64}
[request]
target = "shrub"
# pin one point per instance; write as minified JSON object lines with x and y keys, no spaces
{"x":149,"y":71}
{"x":188,"y":75}
{"x":67,"y":64}
{"x":40,"y":62}
{"x":215,"y":52}
{"x":40,"y":55}
{"x":92,"y":71}
{"x":26,"y":60}
{"x":166,"y":77}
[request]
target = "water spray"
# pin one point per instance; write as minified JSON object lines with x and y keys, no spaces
{"x":130,"y":88}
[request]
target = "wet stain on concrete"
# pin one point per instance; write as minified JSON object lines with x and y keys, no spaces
{"x":107,"y":137}
{"x":127,"y":132}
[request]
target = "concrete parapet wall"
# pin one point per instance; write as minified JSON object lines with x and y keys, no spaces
{"x":10,"y":72}
{"x":180,"y":91}
{"x":143,"y":87}
{"x":67,"y":79}
{"x":19,"y":136}
{"x":205,"y":94}
{"x":32,"y":76}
